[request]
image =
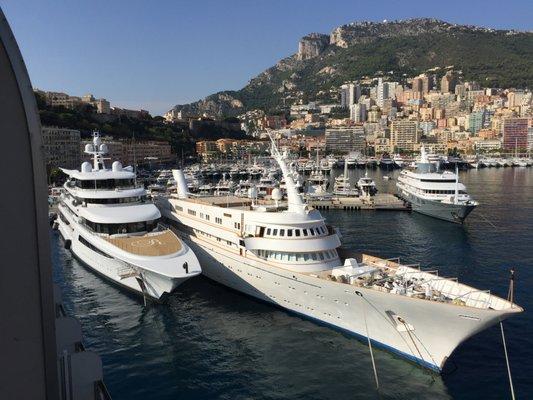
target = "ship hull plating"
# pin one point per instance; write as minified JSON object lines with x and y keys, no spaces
{"x":456,"y":213}
{"x":428,"y":335}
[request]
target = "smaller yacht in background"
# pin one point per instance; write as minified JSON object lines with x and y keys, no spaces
{"x":342,"y":185}
{"x":367,"y":186}
{"x":436,"y":194}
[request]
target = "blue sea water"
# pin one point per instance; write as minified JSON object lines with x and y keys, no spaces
{"x":208,"y":342}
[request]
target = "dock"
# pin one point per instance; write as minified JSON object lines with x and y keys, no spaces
{"x":381,"y":201}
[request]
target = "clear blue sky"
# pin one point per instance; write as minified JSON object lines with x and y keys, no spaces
{"x":153,"y":54}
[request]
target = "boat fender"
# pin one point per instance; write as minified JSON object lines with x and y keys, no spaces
{"x":68,"y":243}
{"x":186,"y":267}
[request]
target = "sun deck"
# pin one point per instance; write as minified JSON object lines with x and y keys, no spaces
{"x":151,"y":244}
{"x":389,"y":276}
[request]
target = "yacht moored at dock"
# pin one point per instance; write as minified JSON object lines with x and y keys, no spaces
{"x":109,"y":225}
{"x":436,"y":194}
{"x":290,"y":258}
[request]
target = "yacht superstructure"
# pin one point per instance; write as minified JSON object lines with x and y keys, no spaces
{"x":289,"y":257}
{"x":109,"y":225}
{"x":436,"y":194}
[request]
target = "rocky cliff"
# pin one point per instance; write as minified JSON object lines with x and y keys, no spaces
{"x":496,"y":58}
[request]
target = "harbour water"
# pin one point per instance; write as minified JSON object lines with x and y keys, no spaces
{"x":208,"y":342}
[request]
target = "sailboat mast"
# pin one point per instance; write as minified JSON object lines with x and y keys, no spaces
{"x":456,"y":183}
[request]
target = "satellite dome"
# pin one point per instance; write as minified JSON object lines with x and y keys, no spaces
{"x":103,"y":148}
{"x":86,"y":167}
{"x":89,"y":148}
{"x":116,"y":166}
{"x":276,"y":194}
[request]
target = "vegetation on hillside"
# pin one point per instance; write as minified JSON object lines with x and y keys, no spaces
{"x":85,"y":119}
{"x":493,"y":58}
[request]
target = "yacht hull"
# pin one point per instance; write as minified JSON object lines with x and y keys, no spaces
{"x":430,"y":332}
{"x":115,"y":270}
{"x":456,"y":213}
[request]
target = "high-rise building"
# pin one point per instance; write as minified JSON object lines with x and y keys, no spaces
{"x":354,"y":93}
{"x":421,"y":84}
{"x":344,"y":96}
{"x":358,"y":112}
{"x":61,"y":147}
{"x":515,"y":132}
{"x":447,"y":83}
{"x":475,"y":121}
{"x":404,"y":135}
{"x":345,"y":139}
{"x":350,"y":94}
{"x":382,"y":92}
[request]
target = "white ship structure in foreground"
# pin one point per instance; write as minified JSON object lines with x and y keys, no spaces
{"x":289,"y":257}
{"x":109,"y":225}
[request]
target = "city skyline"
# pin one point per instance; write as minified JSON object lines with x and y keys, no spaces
{"x":154,"y":60}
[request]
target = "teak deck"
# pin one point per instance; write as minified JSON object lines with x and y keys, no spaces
{"x":159,"y":244}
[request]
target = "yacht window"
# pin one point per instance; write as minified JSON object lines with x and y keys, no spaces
{"x":207,"y":217}
{"x":304,"y":232}
{"x":282,"y":232}
{"x":268,"y":231}
{"x":292,"y":257}
{"x":289,"y":232}
{"x":218,"y":220}
{"x":321,"y":256}
{"x":317,"y":231}
{"x":306,"y":256}
{"x":297,"y":232}
{"x":314,"y":256}
{"x":275,"y":232}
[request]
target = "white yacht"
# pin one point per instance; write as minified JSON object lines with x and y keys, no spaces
{"x":289,"y":257}
{"x":342,"y":185}
{"x":367,"y":186}
{"x":107,"y":223}
{"x":436,"y":194}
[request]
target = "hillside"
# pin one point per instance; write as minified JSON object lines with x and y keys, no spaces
{"x":494,"y":58}
{"x":180,"y":135}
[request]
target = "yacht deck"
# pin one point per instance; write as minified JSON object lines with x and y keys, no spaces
{"x":151,"y":244}
{"x":390,"y":276}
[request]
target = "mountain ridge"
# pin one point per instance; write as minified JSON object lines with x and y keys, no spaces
{"x":401,"y":48}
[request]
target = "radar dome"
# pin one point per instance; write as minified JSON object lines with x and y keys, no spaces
{"x":103,"y":148}
{"x":276,"y":194}
{"x":116,"y":166}
{"x":86,"y":167}
{"x":252,"y":193}
{"x":89,"y":148}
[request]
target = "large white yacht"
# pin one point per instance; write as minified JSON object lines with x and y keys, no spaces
{"x":109,"y":225}
{"x":433,"y":193}
{"x":289,"y":257}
